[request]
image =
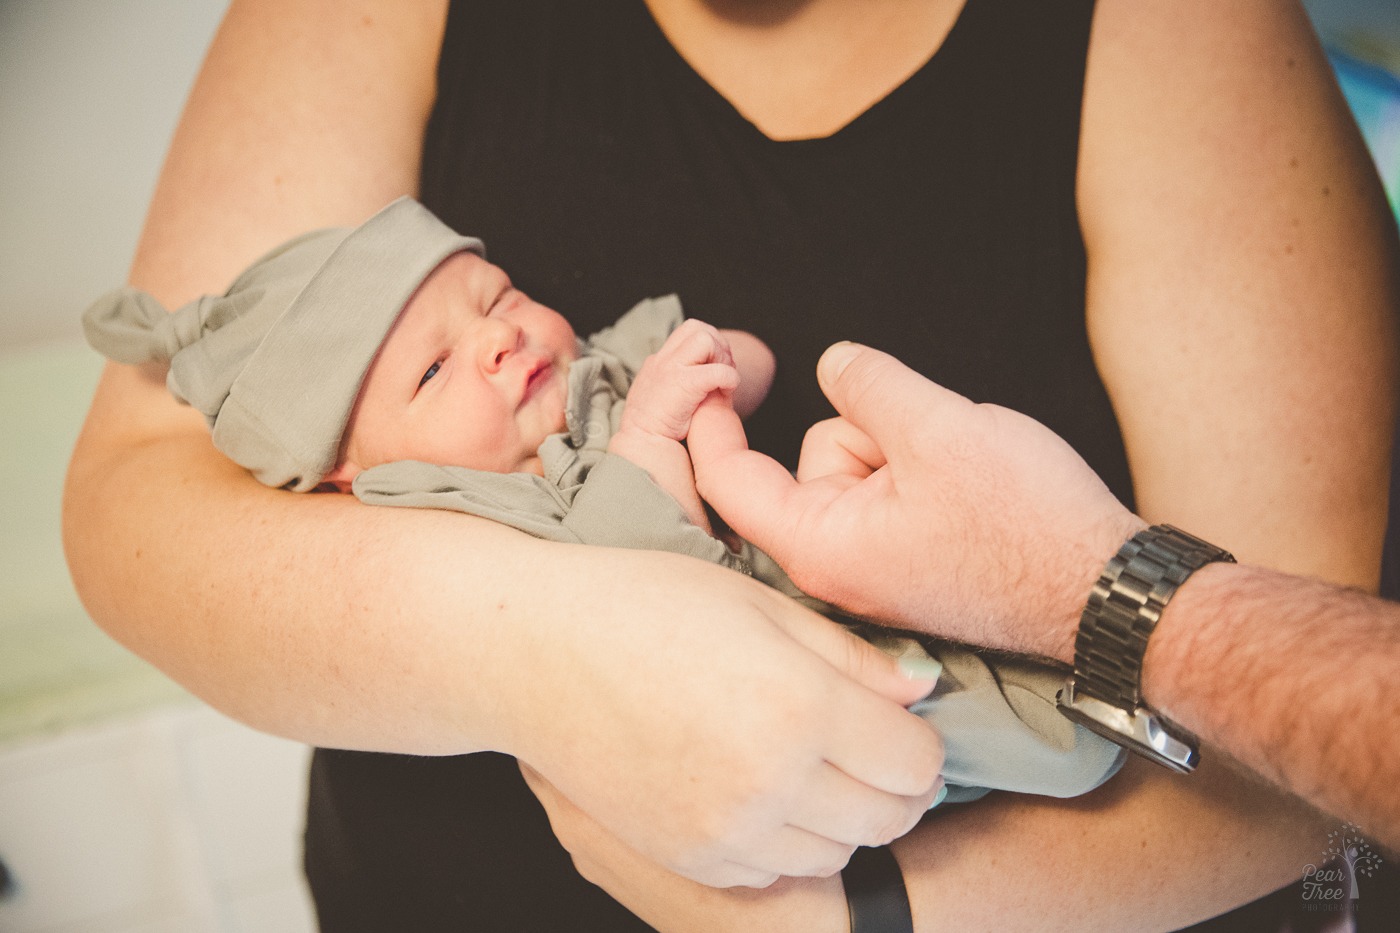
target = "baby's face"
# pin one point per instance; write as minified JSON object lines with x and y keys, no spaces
{"x":473,"y":374}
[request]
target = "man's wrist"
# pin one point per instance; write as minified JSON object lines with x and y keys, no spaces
{"x":1107,"y":539}
{"x":1105,"y":692}
{"x":1170,"y":644}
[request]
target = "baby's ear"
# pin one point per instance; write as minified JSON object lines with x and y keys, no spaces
{"x":341,"y":477}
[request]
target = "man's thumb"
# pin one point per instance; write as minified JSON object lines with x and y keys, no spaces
{"x":835,"y":360}
{"x":863,"y":383}
{"x":881,"y":396}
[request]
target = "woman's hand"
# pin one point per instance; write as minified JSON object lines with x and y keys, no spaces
{"x":672,"y":903}
{"x":717,"y":727}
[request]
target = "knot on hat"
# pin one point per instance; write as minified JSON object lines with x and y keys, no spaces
{"x":275,"y":363}
{"x":132,"y":327}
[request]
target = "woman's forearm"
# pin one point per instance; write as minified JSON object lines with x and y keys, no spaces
{"x":271,"y":606}
{"x":1148,"y":851}
{"x":311,"y":616}
{"x":1118,"y":859}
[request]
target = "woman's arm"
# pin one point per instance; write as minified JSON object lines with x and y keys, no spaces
{"x":314,"y":617}
{"x":1007,"y":862}
{"x":1242,"y":300}
{"x":1244,"y":282}
{"x":1243,"y":289}
{"x":304,"y":115}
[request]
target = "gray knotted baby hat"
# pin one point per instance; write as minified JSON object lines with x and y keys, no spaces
{"x":275,"y":364}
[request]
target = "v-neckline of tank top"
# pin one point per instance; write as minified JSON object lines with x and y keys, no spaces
{"x":856,"y":128}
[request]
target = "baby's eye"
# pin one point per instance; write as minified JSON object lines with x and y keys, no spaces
{"x":432,"y":371}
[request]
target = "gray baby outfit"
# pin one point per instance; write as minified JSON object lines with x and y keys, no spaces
{"x":275,"y":365}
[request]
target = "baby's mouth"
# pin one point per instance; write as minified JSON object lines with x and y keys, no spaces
{"x":540,"y":375}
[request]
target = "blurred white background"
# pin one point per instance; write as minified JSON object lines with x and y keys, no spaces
{"x":90,"y":91}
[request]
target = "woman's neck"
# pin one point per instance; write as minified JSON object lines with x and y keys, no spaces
{"x":800,"y":69}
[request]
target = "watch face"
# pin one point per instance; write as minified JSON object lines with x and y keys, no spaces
{"x":1139,"y":731}
{"x":1185,"y":763}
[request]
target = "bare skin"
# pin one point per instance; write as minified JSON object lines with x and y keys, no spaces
{"x":329,"y":657}
{"x":695,"y":362}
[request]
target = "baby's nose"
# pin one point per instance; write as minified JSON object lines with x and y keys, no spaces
{"x":499,"y":340}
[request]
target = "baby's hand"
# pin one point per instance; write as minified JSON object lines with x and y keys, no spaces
{"x":693,"y":362}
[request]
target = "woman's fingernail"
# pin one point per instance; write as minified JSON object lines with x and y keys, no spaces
{"x":942,"y":794}
{"x":917,"y":667}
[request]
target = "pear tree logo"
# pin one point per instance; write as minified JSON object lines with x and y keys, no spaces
{"x":1333,"y":885}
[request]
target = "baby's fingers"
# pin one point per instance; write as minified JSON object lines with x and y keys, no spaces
{"x":697,"y":382}
{"x":696,"y":342}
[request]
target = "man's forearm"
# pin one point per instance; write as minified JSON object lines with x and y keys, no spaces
{"x":1292,"y":677}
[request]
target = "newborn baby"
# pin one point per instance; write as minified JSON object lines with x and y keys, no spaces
{"x":474,"y":373}
{"x":393,"y":360}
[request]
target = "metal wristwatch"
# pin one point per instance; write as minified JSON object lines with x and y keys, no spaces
{"x":1104,"y":693}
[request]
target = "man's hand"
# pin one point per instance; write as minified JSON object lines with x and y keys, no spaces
{"x":921,"y":508}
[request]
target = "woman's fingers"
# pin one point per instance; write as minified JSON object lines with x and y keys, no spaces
{"x":852,"y":814}
{"x":873,"y":685}
{"x":886,"y":748}
{"x":798,"y":853}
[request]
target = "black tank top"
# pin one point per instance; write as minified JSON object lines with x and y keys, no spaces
{"x":941,"y":224}
{"x":599,"y":168}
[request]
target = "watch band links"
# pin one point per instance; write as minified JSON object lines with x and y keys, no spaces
{"x":1125,"y":606}
{"x":1105,"y":692}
